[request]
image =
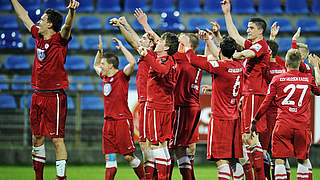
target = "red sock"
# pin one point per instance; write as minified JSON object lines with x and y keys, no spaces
{"x":149,"y":172}
{"x":171,"y":167}
{"x":258,"y":165}
{"x":140,"y":172}
{"x":272,"y":171}
{"x":110,"y":173}
{"x":185,"y":168}
{"x":192,"y":169}
{"x":266,"y":167}
{"x":61,"y":177}
{"x":247,"y":168}
{"x":38,"y":169}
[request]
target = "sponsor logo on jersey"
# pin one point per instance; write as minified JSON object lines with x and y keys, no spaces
{"x":214,"y":63}
{"x":107,"y":89}
{"x":277,"y":71}
{"x":256,"y":47}
{"x":295,"y":79}
{"x":235,"y":70}
{"x":40,"y":54}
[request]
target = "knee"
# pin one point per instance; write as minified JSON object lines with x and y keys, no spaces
{"x":192,"y":149}
{"x":57,"y":141}
{"x":128,"y":157}
{"x":37,"y":140}
{"x":280,"y":161}
{"x":221,"y":162}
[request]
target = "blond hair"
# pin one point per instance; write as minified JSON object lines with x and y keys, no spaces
{"x":293,"y":58}
{"x":305,"y":50}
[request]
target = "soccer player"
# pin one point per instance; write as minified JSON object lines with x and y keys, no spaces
{"x":292,"y":134}
{"x":160,"y":106}
{"x":49,"y":77}
{"x":255,"y":87}
{"x":224,"y":140}
{"x":187,"y":111}
{"x":118,"y":124}
{"x":142,"y":75}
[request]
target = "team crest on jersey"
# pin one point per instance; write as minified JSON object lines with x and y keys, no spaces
{"x":40,"y":54}
{"x":107,"y":89}
{"x":46,"y":46}
{"x":214,"y":63}
{"x":256,"y":47}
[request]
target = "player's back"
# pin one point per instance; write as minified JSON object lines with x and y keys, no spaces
{"x":293,"y":98}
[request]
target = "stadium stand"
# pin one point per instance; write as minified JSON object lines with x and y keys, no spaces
{"x":86,"y":6}
{"x":23,"y":102}
{"x":212,"y":7}
{"x":136,"y":25}
{"x":313,"y":44}
{"x":10,"y":39}
{"x":243,"y":7}
{"x":8,"y":22}
{"x":308,"y":25}
{"x":7,"y":101}
{"x":108,"y":6}
{"x":131,"y":5}
{"x":70,"y":102}
{"x":3,"y":85}
{"x":315,"y":7}
{"x":108,"y":26}
{"x":91,"y":102}
{"x":162,"y":6}
{"x":124,"y":42}
{"x":89,"y":22}
{"x":31,"y":43}
{"x":55,"y":4}
{"x":296,"y":7}
{"x":189,"y":6}
{"x":21,"y":82}
{"x":90,"y":42}
{"x":269,"y":7}
{"x":284,"y":23}
{"x":82,"y":83}
{"x":16,"y":63}
{"x":5,"y":5}
{"x":30,"y":4}
{"x":284,"y":44}
{"x":73,"y":44}
{"x":171,"y":21}
{"x":223,"y":26}
{"x":75,"y":62}
{"x":198,"y":21}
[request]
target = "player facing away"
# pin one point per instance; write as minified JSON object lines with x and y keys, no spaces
{"x":292,"y":135}
{"x":254,"y":88}
{"x":142,"y":75}
{"x":160,"y":85}
{"x":224,"y":138}
{"x":118,"y":124}
{"x":49,"y":77}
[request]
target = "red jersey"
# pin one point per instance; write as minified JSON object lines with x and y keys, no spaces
{"x":226,"y":84}
{"x":187,"y":90}
{"x":305,"y":68}
{"x":115,"y":96}
{"x":142,"y":77}
{"x":161,"y":82}
{"x":291,"y":91}
{"x":255,"y":69}
{"x":48,"y":71}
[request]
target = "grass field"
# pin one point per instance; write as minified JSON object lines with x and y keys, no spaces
{"x":97,"y":173}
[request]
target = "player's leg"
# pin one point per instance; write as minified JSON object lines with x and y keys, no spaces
{"x":280,"y":169}
{"x":149,"y":164}
{"x":191,"y":151}
{"x":111,"y":166}
{"x":224,"y":172}
{"x":38,"y":156}
{"x":61,"y":157}
{"x":237,"y":169}
{"x":245,"y":160}
{"x":184,"y":163}
{"x":136,"y":164}
{"x":162,"y":158}
{"x":302,"y":144}
{"x":257,"y":157}
{"x":303,"y":169}
{"x":288,"y":169}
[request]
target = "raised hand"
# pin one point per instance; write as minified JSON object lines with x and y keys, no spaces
{"x":120,"y":45}
{"x":184,"y":40}
{"x":225,"y":5}
{"x":123,"y":20}
{"x":141,"y":16}
{"x":314,"y":60}
{"x":202,"y":34}
{"x":114,"y":22}
{"x":142,"y":51}
{"x":274,"y":31}
{"x":100,"y":45}
{"x":297,"y":34}
{"x":206,"y":88}
{"x":73,"y":4}
{"x":215,"y":27}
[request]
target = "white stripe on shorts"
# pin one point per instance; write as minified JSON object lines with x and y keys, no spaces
{"x":57,"y":131}
{"x":144,"y":120}
{"x":155,"y":125}
{"x":211,"y":134}
{"x":130,"y":133}
{"x":177,"y":130}
{"x":252,"y":107}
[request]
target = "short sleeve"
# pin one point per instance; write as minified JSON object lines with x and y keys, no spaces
{"x":124,"y":75}
{"x":34,"y":32}
{"x":247,"y":44}
{"x":258,"y":48}
{"x":61,"y":40}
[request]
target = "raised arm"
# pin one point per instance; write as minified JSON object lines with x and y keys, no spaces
{"x":274,"y":31}
{"x":216,"y":31}
{"x":143,"y":20}
{"x":162,"y":68}
{"x":314,"y":60}
{"x":209,"y":42}
{"x":133,"y":33}
{"x":232,"y":30}
{"x":97,"y":60}
{"x":66,"y":28}
{"x":248,"y":53}
{"x":22,"y":14}
{"x":128,"y":69}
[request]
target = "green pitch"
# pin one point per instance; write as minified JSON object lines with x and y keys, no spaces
{"x":97,"y":172}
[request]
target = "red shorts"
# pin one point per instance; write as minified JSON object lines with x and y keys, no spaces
{"x":143,"y":121}
{"x":159,"y":126}
{"x":185,"y":126}
{"x":118,"y":136}
{"x":250,"y":106}
{"x":265,"y":136}
{"x":224,"y":139}
{"x":288,"y":142}
{"x":48,"y":114}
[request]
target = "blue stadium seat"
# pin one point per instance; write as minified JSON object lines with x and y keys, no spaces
{"x":136,"y":25}
{"x":269,"y":7}
{"x":92,"y":62}
{"x":7,"y":101}
{"x":296,"y":7}
{"x":85,"y":6}
{"x":212,"y":7}
{"x":31,"y":42}
{"x":243,"y":7}
{"x":132,"y":83}
{"x":5,"y":5}
{"x":23,"y":101}
{"x":55,"y":4}
{"x":189,"y":6}
{"x":244,"y":25}
{"x":284,"y":44}
{"x":3,"y":85}
{"x":30,"y":4}
{"x":124,"y":42}
{"x":222,"y":24}
{"x":202,"y":45}
{"x":35,"y":15}
{"x":21,"y":82}
{"x":83,"y":83}
{"x":75,"y":62}
{"x":108,"y":26}
{"x":74,"y":43}
{"x":91,"y":42}
{"x":315,"y":7}
{"x":170,"y":21}
{"x":162,"y":6}
{"x":70,"y":103}
{"x":90,"y":22}
{"x":284,"y":23}
{"x":91,"y":102}
{"x":108,"y":6}
{"x":8,"y":22}
{"x":198,"y":21}
{"x":313,"y":44}
{"x":10,"y":40}
{"x":122,"y":62}
{"x":17,"y":62}
{"x":308,"y":25}
{"x":131,"y":5}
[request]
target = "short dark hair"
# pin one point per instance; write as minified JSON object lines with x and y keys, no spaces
{"x":171,"y":40}
{"x":274,"y":47}
{"x":259,"y":22}
{"x":293,"y":58}
{"x":194,"y":40}
{"x":55,"y":18}
{"x":228,"y":46}
{"x":111,"y":59}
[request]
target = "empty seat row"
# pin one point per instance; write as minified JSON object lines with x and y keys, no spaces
{"x":184,"y":6}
